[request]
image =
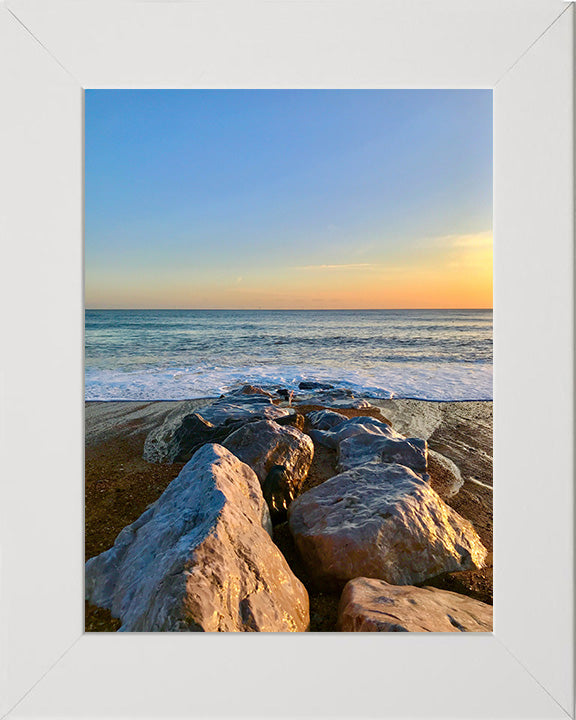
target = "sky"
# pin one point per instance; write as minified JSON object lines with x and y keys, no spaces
{"x":288,"y":198}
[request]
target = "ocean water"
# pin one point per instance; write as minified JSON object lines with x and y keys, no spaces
{"x":178,"y":354}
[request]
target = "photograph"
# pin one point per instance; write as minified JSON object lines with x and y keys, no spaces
{"x":288,"y":360}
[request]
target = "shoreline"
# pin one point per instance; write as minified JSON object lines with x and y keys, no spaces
{"x":215,"y":397}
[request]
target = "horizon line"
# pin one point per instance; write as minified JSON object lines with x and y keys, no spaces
{"x":214,"y":309}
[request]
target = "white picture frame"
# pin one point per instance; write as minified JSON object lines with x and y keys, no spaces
{"x":53,"y":49}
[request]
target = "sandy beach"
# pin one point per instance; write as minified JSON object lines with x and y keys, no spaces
{"x":120,"y":484}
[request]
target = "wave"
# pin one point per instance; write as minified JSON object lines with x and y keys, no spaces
{"x":421,"y":380}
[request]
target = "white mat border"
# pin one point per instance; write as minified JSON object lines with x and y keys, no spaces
{"x":51,"y":50}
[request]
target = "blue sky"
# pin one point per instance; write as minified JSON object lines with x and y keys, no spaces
{"x":281,"y":198}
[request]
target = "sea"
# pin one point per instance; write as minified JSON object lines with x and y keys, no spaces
{"x":186,"y":354}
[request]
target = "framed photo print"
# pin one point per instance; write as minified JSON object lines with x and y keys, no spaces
{"x":288,"y":311}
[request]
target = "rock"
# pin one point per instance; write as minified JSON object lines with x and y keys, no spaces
{"x":199,"y":559}
{"x":312,"y":385}
{"x":366,"y":439}
{"x":382,"y":521}
{"x":278,"y":491}
{"x":334,"y":397}
{"x":184,"y":431}
{"x":363,"y":425}
{"x":369,"y":605}
{"x":338,"y":397}
{"x":265,"y":443}
{"x":181,"y":428}
{"x":321,"y":438}
{"x":251,"y":390}
{"x":179,"y":441}
{"x":336,"y":393}
{"x":284,"y":394}
{"x":242,"y":408}
{"x":297,"y":420}
{"x":368,"y":447}
{"x":325,"y":419}
{"x":445,"y":476}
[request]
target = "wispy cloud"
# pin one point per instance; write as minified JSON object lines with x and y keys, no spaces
{"x":471,"y":241}
{"x":476,"y":242}
{"x":350,"y":266}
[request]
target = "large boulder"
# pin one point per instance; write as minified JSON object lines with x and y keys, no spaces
{"x":337,"y":397}
{"x":363,"y":425}
{"x":251,"y":390}
{"x":364,"y":439}
{"x":368,"y":447}
{"x":350,"y":427}
{"x":242,"y":408}
{"x":159,"y":446}
{"x":184,"y":431}
{"x":369,"y":605}
{"x":295,"y":419}
{"x":314,"y":385}
{"x":263,"y":444}
{"x":180,"y":436}
{"x":382,"y":521}
{"x":325,"y":419}
{"x":199,"y":559}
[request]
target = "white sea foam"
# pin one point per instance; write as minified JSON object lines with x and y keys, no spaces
{"x":172,"y":355}
{"x":426,"y":381}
